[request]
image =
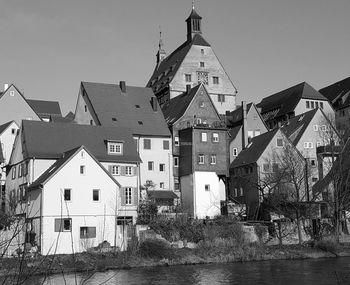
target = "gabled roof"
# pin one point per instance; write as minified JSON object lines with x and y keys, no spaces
{"x":296,"y":126}
{"x":284,"y":102}
{"x":194,"y":15}
{"x":176,"y":107}
{"x":338,"y":93}
{"x":234,"y":132}
{"x":167,"y":69}
{"x":5,"y":126}
{"x":49,"y":140}
{"x":45,"y":108}
{"x":2,"y":159}
{"x":66,"y":157}
{"x":132,"y":110}
{"x":236,"y":115}
{"x":255,"y":149}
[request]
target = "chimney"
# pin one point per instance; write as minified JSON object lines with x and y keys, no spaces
{"x":6,"y":86}
{"x":122,"y":86}
{"x":188,"y":88}
{"x":244,"y":125}
{"x":227,"y":117}
{"x":154,"y":103}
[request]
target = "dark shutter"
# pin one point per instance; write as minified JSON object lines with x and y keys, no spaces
{"x":91,"y":232}
{"x":122,"y":196}
{"x":135,"y":196}
{"x":58,"y":225}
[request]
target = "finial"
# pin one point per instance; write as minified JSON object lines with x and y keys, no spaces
{"x":160,"y":38}
{"x":192,"y":4}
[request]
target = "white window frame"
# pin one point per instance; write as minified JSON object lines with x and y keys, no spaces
{"x":82,"y":169}
{"x":216,"y":80}
{"x":215,"y":137}
{"x":213,"y":159}
{"x":115,"y":170}
{"x":128,"y":170}
{"x":128,"y":195}
{"x":162,"y":167}
{"x":201,"y":159}
{"x":150,"y":163}
{"x":204,"y":137}
{"x":176,"y":161}
{"x":234,"y":151}
{"x":188,"y":77}
{"x":115,"y":148}
{"x":315,"y":128}
{"x":176,"y":141}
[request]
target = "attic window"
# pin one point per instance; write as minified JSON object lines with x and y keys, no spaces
{"x":114,"y":119}
{"x":137,"y":106}
{"x":140,"y":122}
{"x":279,"y":142}
{"x":115,"y":148}
{"x":12,"y":93}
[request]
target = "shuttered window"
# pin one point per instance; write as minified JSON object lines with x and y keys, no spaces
{"x":87,"y":232}
{"x":63,"y":225}
{"x":129,"y":196}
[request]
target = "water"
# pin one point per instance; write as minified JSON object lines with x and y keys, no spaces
{"x":312,"y":271}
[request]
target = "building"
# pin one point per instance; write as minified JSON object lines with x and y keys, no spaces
{"x":244,"y":123}
{"x":338,"y":95}
{"x":70,"y":211}
{"x":192,"y":63}
{"x":281,"y":106}
{"x":135,"y":108}
{"x":252,"y":169}
{"x":200,"y":151}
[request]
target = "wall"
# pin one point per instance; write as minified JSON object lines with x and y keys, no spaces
{"x":7,"y":139}
{"x":82,"y":117}
{"x":187,"y":194}
{"x":301,"y":107}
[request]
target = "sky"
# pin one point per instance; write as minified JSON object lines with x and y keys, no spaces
{"x":48,"y":47}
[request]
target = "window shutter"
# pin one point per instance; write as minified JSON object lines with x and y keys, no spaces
{"x":135,"y":196}
{"x":122,"y":196}
{"x":110,"y":169}
{"x":122,"y":170}
{"x":58,"y":225}
{"x":91,"y":232}
{"x":134,"y":171}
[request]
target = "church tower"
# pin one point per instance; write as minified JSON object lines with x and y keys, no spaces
{"x":193,"y":24}
{"x":161,"y":54}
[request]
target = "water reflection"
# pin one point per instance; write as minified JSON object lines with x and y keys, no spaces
{"x":316,"y":271}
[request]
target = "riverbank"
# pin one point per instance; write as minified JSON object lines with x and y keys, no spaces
{"x":93,"y":262}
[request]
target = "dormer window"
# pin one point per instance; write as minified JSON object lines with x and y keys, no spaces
{"x":115,"y":148}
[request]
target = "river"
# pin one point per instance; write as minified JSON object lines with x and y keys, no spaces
{"x":310,"y":271}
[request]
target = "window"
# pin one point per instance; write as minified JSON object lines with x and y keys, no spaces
{"x":198,"y":121}
{"x":146,"y":143}
{"x":313,"y":162}
{"x":201,"y":159}
{"x":188,"y":77}
{"x":256,"y":133}
{"x":161,"y":185}
{"x":165,"y":144}
{"x":240,"y":191}
{"x":128,"y":170}
{"x":316,"y":103}
{"x":140,"y":122}
{"x":137,"y":106}
{"x":308,"y":145}
{"x":176,"y":141}
{"x":215,"y":80}
{"x":221,"y":98}
{"x":114,"y":119}
{"x":13,"y":131}
{"x":266,"y":167}
{"x":87,"y":232}
{"x":150,"y":165}
{"x":202,"y":51}
{"x":115,"y":148}
{"x":14,"y":172}
{"x":12,"y":93}
{"x":234,"y":151}
{"x":215,"y":137}
{"x":91,"y":122}
{"x":128,"y":196}
{"x":279,"y":142}
{"x":115,"y":170}
{"x":314,"y":179}
{"x":312,"y":104}
{"x":274,"y":167}
{"x":63,"y":225}
{"x":176,"y":161}
{"x":85,"y":108}
{"x":315,"y":128}
{"x":324,"y":128}
{"x":321,"y":105}
{"x":213,"y":159}
{"x":82,"y":169}
{"x":67,"y":194}
{"x":20,"y":170}
{"x":250,"y":135}
{"x":201,"y":64}
{"x":161,"y":167}
{"x":207,"y":187}
{"x":96,"y":195}
{"x":318,"y":144}
{"x":204,"y":137}
{"x":307,"y":104}
{"x":201,"y":104}
{"x":235,"y":192}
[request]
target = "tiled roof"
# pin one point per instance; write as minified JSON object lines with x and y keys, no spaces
{"x":54,"y":168}
{"x":176,"y":107}
{"x":285,"y":101}
{"x":4,"y":127}
{"x":297,"y":125}
{"x":254,"y":150}
{"x":235,"y":117}
{"x":50,"y":140}
{"x":43,"y":108}
{"x":234,"y":132}
{"x":338,"y":93}
{"x":132,"y":110}
{"x":194,"y":15}
{"x":163,"y":75}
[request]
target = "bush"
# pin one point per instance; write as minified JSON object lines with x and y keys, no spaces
{"x":154,"y":248}
{"x":327,"y":245}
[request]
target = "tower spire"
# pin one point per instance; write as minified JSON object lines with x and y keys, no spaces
{"x":193,"y":24}
{"x":161,"y":54}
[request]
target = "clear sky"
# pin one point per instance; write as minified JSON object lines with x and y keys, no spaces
{"x":48,"y":47}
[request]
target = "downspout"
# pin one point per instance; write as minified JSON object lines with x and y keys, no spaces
{"x":41,"y":220}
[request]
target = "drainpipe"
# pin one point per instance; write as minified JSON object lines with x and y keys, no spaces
{"x":244,"y":126}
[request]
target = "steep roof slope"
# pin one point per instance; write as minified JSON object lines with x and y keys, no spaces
{"x":2,"y":159}
{"x":170,"y":65}
{"x":252,"y":153}
{"x":338,"y":93}
{"x":286,"y":100}
{"x":3,"y":127}
{"x":50,"y":140}
{"x":45,"y":108}
{"x":235,"y":117}
{"x":131,"y":110}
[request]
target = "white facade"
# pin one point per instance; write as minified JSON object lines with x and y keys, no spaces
{"x":7,"y":138}
{"x":202,"y":193}
{"x":306,"y":105}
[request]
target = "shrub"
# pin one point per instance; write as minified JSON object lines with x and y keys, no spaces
{"x":154,"y":248}
{"x":327,"y":245}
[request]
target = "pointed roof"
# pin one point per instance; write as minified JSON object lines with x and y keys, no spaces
{"x":255,"y":149}
{"x":5,"y":126}
{"x":49,"y":140}
{"x":167,"y":69}
{"x":60,"y":163}
{"x":338,"y":93}
{"x":235,"y":117}
{"x":193,"y":15}
{"x":132,"y":110}
{"x":285,"y":101}
{"x":45,"y":108}
{"x":176,"y":107}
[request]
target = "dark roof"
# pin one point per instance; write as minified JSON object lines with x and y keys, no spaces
{"x":131,"y":110}
{"x":234,"y":132}
{"x":254,"y":150}
{"x":50,"y":140}
{"x":59,"y":119}
{"x":161,"y":194}
{"x":176,"y":107}
{"x":2,"y":159}
{"x":4,"y":126}
{"x":45,"y":108}
{"x":194,"y":15}
{"x":163,"y":75}
{"x":54,"y":168}
{"x":235,"y":117}
{"x":338,"y":93}
{"x":70,"y":116}
{"x":297,"y":125}
{"x":284,"y":102}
